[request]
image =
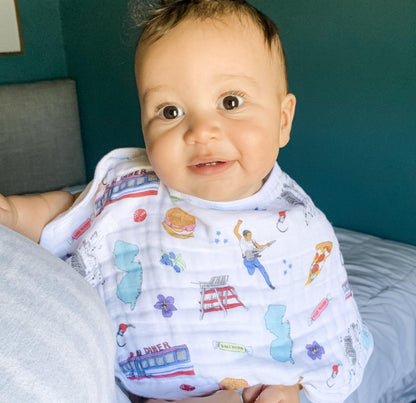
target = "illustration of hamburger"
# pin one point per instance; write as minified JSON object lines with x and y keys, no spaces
{"x":179,"y":223}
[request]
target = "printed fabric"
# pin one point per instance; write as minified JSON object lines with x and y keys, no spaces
{"x":207,"y":295}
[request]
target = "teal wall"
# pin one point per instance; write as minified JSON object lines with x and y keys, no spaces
{"x":99,"y":45}
{"x":44,"y":55}
{"x":351,"y":66}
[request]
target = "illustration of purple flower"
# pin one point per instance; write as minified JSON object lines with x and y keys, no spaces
{"x":315,"y":350}
{"x":165,"y":305}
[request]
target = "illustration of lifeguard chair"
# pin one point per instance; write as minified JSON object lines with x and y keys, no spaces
{"x":216,"y":295}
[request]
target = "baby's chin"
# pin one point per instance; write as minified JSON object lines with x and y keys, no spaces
{"x":221,"y":193}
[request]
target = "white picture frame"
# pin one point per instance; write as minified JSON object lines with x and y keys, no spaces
{"x":10,"y":32}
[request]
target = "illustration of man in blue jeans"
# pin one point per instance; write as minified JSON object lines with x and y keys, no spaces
{"x":251,"y":252}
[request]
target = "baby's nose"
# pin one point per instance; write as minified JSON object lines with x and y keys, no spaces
{"x":202,"y":130}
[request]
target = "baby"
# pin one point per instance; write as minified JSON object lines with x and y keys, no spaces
{"x":217,"y":269}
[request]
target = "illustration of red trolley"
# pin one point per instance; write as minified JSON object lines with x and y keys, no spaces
{"x":133,"y":185}
{"x":170,"y":362}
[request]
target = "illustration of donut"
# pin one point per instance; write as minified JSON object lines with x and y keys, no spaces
{"x":323,"y":250}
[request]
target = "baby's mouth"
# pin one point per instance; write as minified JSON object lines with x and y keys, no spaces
{"x":210,"y":164}
{"x":210,"y":167}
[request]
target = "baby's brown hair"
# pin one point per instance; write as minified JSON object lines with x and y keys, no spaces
{"x":169,"y":13}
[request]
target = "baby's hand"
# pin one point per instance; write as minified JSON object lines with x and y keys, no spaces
{"x":222,"y":396}
{"x":8,"y":213}
{"x":272,"y":394}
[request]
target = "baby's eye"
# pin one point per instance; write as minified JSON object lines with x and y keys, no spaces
{"x":231,"y":102}
{"x":170,"y":112}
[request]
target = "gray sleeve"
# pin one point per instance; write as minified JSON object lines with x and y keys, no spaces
{"x":57,"y":343}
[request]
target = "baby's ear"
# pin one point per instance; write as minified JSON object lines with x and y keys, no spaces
{"x":286,"y":118}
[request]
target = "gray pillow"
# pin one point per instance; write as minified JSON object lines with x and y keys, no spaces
{"x":40,"y":141}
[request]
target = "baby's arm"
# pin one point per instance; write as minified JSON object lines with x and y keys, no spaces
{"x":29,"y":214}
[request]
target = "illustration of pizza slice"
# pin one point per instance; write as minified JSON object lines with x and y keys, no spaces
{"x":323,"y":250}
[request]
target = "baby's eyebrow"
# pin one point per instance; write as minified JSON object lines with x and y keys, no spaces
{"x":228,"y":79}
{"x":236,"y":82}
{"x":153,"y":90}
{"x":236,"y":77}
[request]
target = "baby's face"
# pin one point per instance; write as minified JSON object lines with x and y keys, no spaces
{"x":214,"y":107}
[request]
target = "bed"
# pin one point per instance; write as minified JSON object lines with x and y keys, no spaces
{"x":382,"y":275}
{"x":41,"y":149}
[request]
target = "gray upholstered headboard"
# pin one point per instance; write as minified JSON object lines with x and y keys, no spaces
{"x":40,"y":140}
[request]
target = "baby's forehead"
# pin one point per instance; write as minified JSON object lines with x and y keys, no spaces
{"x":242,"y":21}
{"x":233,"y":22}
{"x":228,"y":37}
